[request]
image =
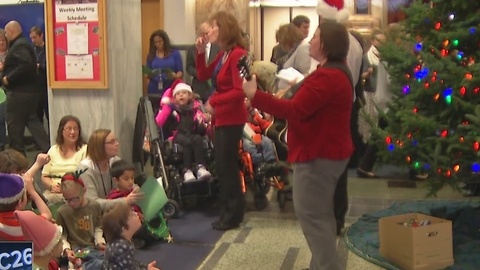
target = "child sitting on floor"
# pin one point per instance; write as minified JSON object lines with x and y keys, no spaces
{"x":123,"y":175}
{"x":191,"y":128}
{"x":81,"y":222}
{"x":120,"y":223}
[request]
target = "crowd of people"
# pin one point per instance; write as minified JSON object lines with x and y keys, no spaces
{"x":99,"y":214}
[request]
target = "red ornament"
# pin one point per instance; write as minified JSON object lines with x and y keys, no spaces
{"x":448,"y":173}
{"x":463,"y":90}
{"x":444,"y":134}
{"x":468,"y":76}
{"x":388,"y":140}
{"x":409,"y":135}
{"x":426,"y":85}
{"x":434,"y":79}
{"x":476,"y":90}
{"x":415,"y":110}
{"x":476,"y":146}
{"x":438,"y":25}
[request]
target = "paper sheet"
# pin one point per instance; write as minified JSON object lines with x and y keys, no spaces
{"x":77,"y":38}
{"x":79,"y":67}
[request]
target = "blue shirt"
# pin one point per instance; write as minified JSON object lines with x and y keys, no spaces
{"x":172,"y":61}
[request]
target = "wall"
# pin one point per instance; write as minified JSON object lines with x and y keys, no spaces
{"x":273,"y":17}
{"x":114,"y":108}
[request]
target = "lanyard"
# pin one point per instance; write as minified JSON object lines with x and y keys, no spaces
{"x":103,"y":183}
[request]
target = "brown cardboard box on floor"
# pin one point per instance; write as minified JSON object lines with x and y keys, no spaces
{"x":426,"y":247}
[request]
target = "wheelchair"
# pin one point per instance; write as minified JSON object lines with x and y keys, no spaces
{"x":263,"y":176}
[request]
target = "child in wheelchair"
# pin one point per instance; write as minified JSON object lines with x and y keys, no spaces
{"x":189,"y":129}
{"x":260,"y":147}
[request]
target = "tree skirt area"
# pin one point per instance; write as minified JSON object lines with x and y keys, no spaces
{"x":362,"y":236}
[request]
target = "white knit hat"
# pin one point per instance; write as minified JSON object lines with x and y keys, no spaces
{"x":333,"y":10}
{"x":182,"y":86}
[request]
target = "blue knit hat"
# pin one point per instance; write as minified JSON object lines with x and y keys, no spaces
{"x":12,"y":188}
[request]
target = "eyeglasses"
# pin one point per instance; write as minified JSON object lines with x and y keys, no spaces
{"x":112,"y":141}
{"x":72,"y":200}
{"x":70,"y":129}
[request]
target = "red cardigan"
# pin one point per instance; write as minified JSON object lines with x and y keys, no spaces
{"x":228,"y":100}
{"x":318,"y":116}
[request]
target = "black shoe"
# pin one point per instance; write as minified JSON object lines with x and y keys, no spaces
{"x":224,"y":226}
{"x":216,"y":223}
{"x":364,"y":174}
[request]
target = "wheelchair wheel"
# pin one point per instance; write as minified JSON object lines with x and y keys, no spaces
{"x":281,"y":199}
{"x":260,"y":201}
{"x":171,"y":209}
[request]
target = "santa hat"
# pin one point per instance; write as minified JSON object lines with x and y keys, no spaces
{"x":44,"y":234}
{"x":332,"y":10}
{"x":182,"y":86}
{"x":168,"y":94}
{"x":12,"y":188}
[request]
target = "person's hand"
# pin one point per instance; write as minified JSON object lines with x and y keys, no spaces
{"x":28,"y":180}
{"x":201,"y":44}
{"x":55,"y":188}
{"x":70,"y":255}
{"x":209,"y":108}
{"x":134,"y":196}
{"x":101,"y":246}
{"x":172,"y":75}
{"x":151,"y":266}
{"x":250,"y":87}
{"x":42,"y":159}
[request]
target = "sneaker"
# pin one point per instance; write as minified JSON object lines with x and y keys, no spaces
{"x":203,"y":173}
{"x":188,"y":176}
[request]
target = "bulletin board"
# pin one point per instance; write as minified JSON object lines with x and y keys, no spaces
{"x":77,"y":44}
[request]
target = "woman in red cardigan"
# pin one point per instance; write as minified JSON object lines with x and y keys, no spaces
{"x":227,"y":107}
{"x":319,"y":142}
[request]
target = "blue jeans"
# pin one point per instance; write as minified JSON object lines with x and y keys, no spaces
{"x":266,"y":155}
{"x":3,"y":129}
{"x":94,"y":259}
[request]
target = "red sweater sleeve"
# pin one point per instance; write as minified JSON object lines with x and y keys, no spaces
{"x":310,"y":97}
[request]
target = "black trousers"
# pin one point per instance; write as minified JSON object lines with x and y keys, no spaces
{"x":43,"y":105}
{"x":232,"y":199}
{"x":21,"y":112}
{"x":357,"y":138}
{"x":192,"y":149}
{"x":340,"y":200}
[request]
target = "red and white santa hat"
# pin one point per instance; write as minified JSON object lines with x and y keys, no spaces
{"x":170,"y":92}
{"x":44,"y":234}
{"x":333,"y":10}
{"x":182,"y":86}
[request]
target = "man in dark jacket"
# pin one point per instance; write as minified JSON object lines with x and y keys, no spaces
{"x":37,"y":38}
{"x":19,"y":81}
{"x":202,"y":88}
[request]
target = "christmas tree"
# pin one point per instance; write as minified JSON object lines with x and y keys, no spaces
{"x":434,"y":116}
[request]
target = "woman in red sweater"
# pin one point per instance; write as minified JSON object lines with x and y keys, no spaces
{"x":227,"y":106}
{"x":319,"y":142}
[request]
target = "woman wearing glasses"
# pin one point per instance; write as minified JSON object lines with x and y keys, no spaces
{"x":65,"y":155}
{"x":102,"y":151}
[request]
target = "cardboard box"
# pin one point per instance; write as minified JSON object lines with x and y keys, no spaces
{"x":419,"y":248}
